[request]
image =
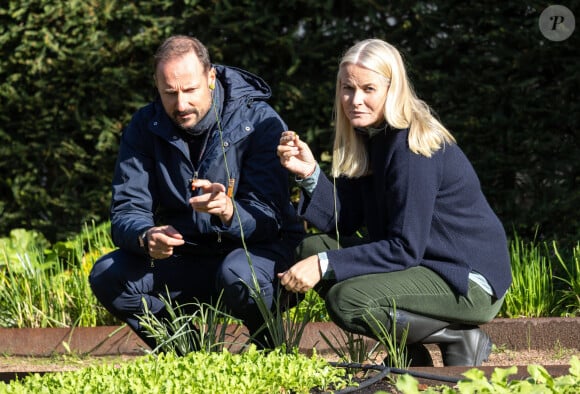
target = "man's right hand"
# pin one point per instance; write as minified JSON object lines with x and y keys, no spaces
{"x":161,"y":240}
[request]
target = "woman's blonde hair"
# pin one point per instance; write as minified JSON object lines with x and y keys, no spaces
{"x":403,"y":109}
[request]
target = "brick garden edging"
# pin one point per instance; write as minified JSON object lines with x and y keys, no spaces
{"x":514,"y":334}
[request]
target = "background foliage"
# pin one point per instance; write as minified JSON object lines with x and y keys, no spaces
{"x":72,"y":73}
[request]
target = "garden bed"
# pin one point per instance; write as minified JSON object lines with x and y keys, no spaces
{"x":545,"y":341}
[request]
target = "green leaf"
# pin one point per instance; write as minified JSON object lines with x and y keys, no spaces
{"x":500,"y":376}
{"x":407,"y":384}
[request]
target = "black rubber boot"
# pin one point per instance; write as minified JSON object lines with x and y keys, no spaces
{"x":417,"y":326}
{"x":461,"y":345}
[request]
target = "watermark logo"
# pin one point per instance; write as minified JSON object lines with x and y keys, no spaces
{"x":557,"y":23}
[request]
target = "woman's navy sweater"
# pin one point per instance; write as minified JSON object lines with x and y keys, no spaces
{"x":417,"y":211}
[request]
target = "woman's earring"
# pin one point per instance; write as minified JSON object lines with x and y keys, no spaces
{"x":211,"y":86}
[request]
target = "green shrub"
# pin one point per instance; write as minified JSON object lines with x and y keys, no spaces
{"x":71,"y":74}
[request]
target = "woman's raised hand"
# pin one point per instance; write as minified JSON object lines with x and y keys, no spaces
{"x":295,"y":155}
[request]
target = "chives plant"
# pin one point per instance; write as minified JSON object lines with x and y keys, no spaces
{"x":181,"y":332}
{"x":532,"y":292}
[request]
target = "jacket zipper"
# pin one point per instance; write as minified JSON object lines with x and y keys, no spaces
{"x":195,"y":174}
{"x":195,"y":177}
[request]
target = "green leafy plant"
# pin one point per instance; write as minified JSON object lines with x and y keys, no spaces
{"x":19,"y":241}
{"x":312,"y":307}
{"x":44,"y":287}
{"x":539,"y":381}
{"x":252,"y":372}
